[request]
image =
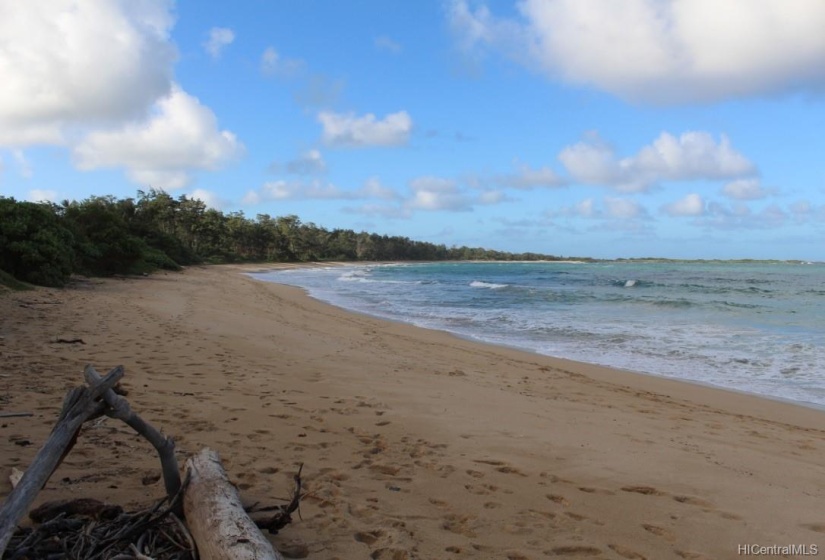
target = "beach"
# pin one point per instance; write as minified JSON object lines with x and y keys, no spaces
{"x":415,"y":443}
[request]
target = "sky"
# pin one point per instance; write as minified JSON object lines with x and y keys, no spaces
{"x":603,"y":128}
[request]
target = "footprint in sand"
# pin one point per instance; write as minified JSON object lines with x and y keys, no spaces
{"x":816,"y":527}
{"x":369,"y":537}
{"x":561,"y":500}
{"x":693,"y":501}
{"x":390,"y":554}
{"x":574,"y":550}
{"x":646,"y":490}
{"x":589,"y":490}
{"x":690,"y":555}
{"x":625,"y":552}
{"x":458,"y":524}
{"x":659,"y":531}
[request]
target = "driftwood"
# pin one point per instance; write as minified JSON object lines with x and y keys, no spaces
{"x":119,"y":408}
{"x":216,"y":517}
{"x":283,"y":514}
{"x":92,"y":530}
{"x":80,"y":404}
{"x":217,"y":521}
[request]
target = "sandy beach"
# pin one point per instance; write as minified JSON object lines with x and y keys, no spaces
{"x":415,"y":443}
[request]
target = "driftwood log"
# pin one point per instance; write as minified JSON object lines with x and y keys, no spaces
{"x":215,"y":516}
{"x":80,"y":404}
{"x":216,"y":519}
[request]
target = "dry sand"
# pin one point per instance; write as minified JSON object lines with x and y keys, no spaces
{"x":416,"y":444}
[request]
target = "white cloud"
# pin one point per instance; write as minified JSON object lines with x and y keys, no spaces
{"x":385,"y":43}
{"x":623,"y":208}
{"x":211,"y":199}
{"x":661,"y":51}
{"x":41,"y":195}
{"x":373,"y":188}
{"x":523,"y":178}
{"x":382,"y":210}
{"x":527,"y":178}
{"x":611,"y":208}
{"x":436,"y":193}
{"x":310,"y":162}
{"x":585,"y":208}
{"x":740,"y":216}
{"x":746,"y":189}
{"x":66,"y":63}
{"x":349,"y":130}
{"x":492,"y":197}
{"x":273,"y":64}
{"x":284,"y":190}
{"x":180,"y":135}
{"x":316,"y":190}
{"x":691,"y":205}
{"x":803,"y":211}
{"x":219,"y":38}
{"x":691,"y":156}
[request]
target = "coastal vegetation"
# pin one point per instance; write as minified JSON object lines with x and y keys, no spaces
{"x":45,"y":243}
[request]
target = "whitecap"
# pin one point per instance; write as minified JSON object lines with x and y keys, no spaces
{"x":488,"y":285}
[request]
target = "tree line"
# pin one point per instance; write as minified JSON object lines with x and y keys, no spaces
{"x":45,"y":243}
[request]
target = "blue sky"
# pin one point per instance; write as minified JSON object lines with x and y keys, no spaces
{"x":673,"y":128}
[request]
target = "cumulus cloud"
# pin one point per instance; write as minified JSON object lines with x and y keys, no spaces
{"x":746,"y":189}
{"x":436,"y":193}
{"x":310,"y":162}
{"x":385,"y":43}
{"x":623,"y":208}
{"x":273,"y":64}
{"x":66,"y":63}
{"x":691,"y":205}
{"x":219,"y":38}
{"x":660,"y":51}
{"x":374,"y":188}
{"x":349,"y":130}
{"x":179,"y":136}
{"x":691,"y":156}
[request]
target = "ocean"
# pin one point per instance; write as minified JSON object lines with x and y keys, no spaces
{"x":753,"y":327}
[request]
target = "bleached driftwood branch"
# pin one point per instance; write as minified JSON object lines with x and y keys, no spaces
{"x":80,"y":404}
{"x":215,"y":516}
{"x":119,"y":408}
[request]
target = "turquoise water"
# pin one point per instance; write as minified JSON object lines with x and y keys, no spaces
{"x":758,"y":328}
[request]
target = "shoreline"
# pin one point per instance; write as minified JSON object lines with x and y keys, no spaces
{"x":576,"y":363}
{"x":416,"y":443}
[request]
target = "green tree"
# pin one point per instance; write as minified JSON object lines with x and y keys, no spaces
{"x":34,"y":245}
